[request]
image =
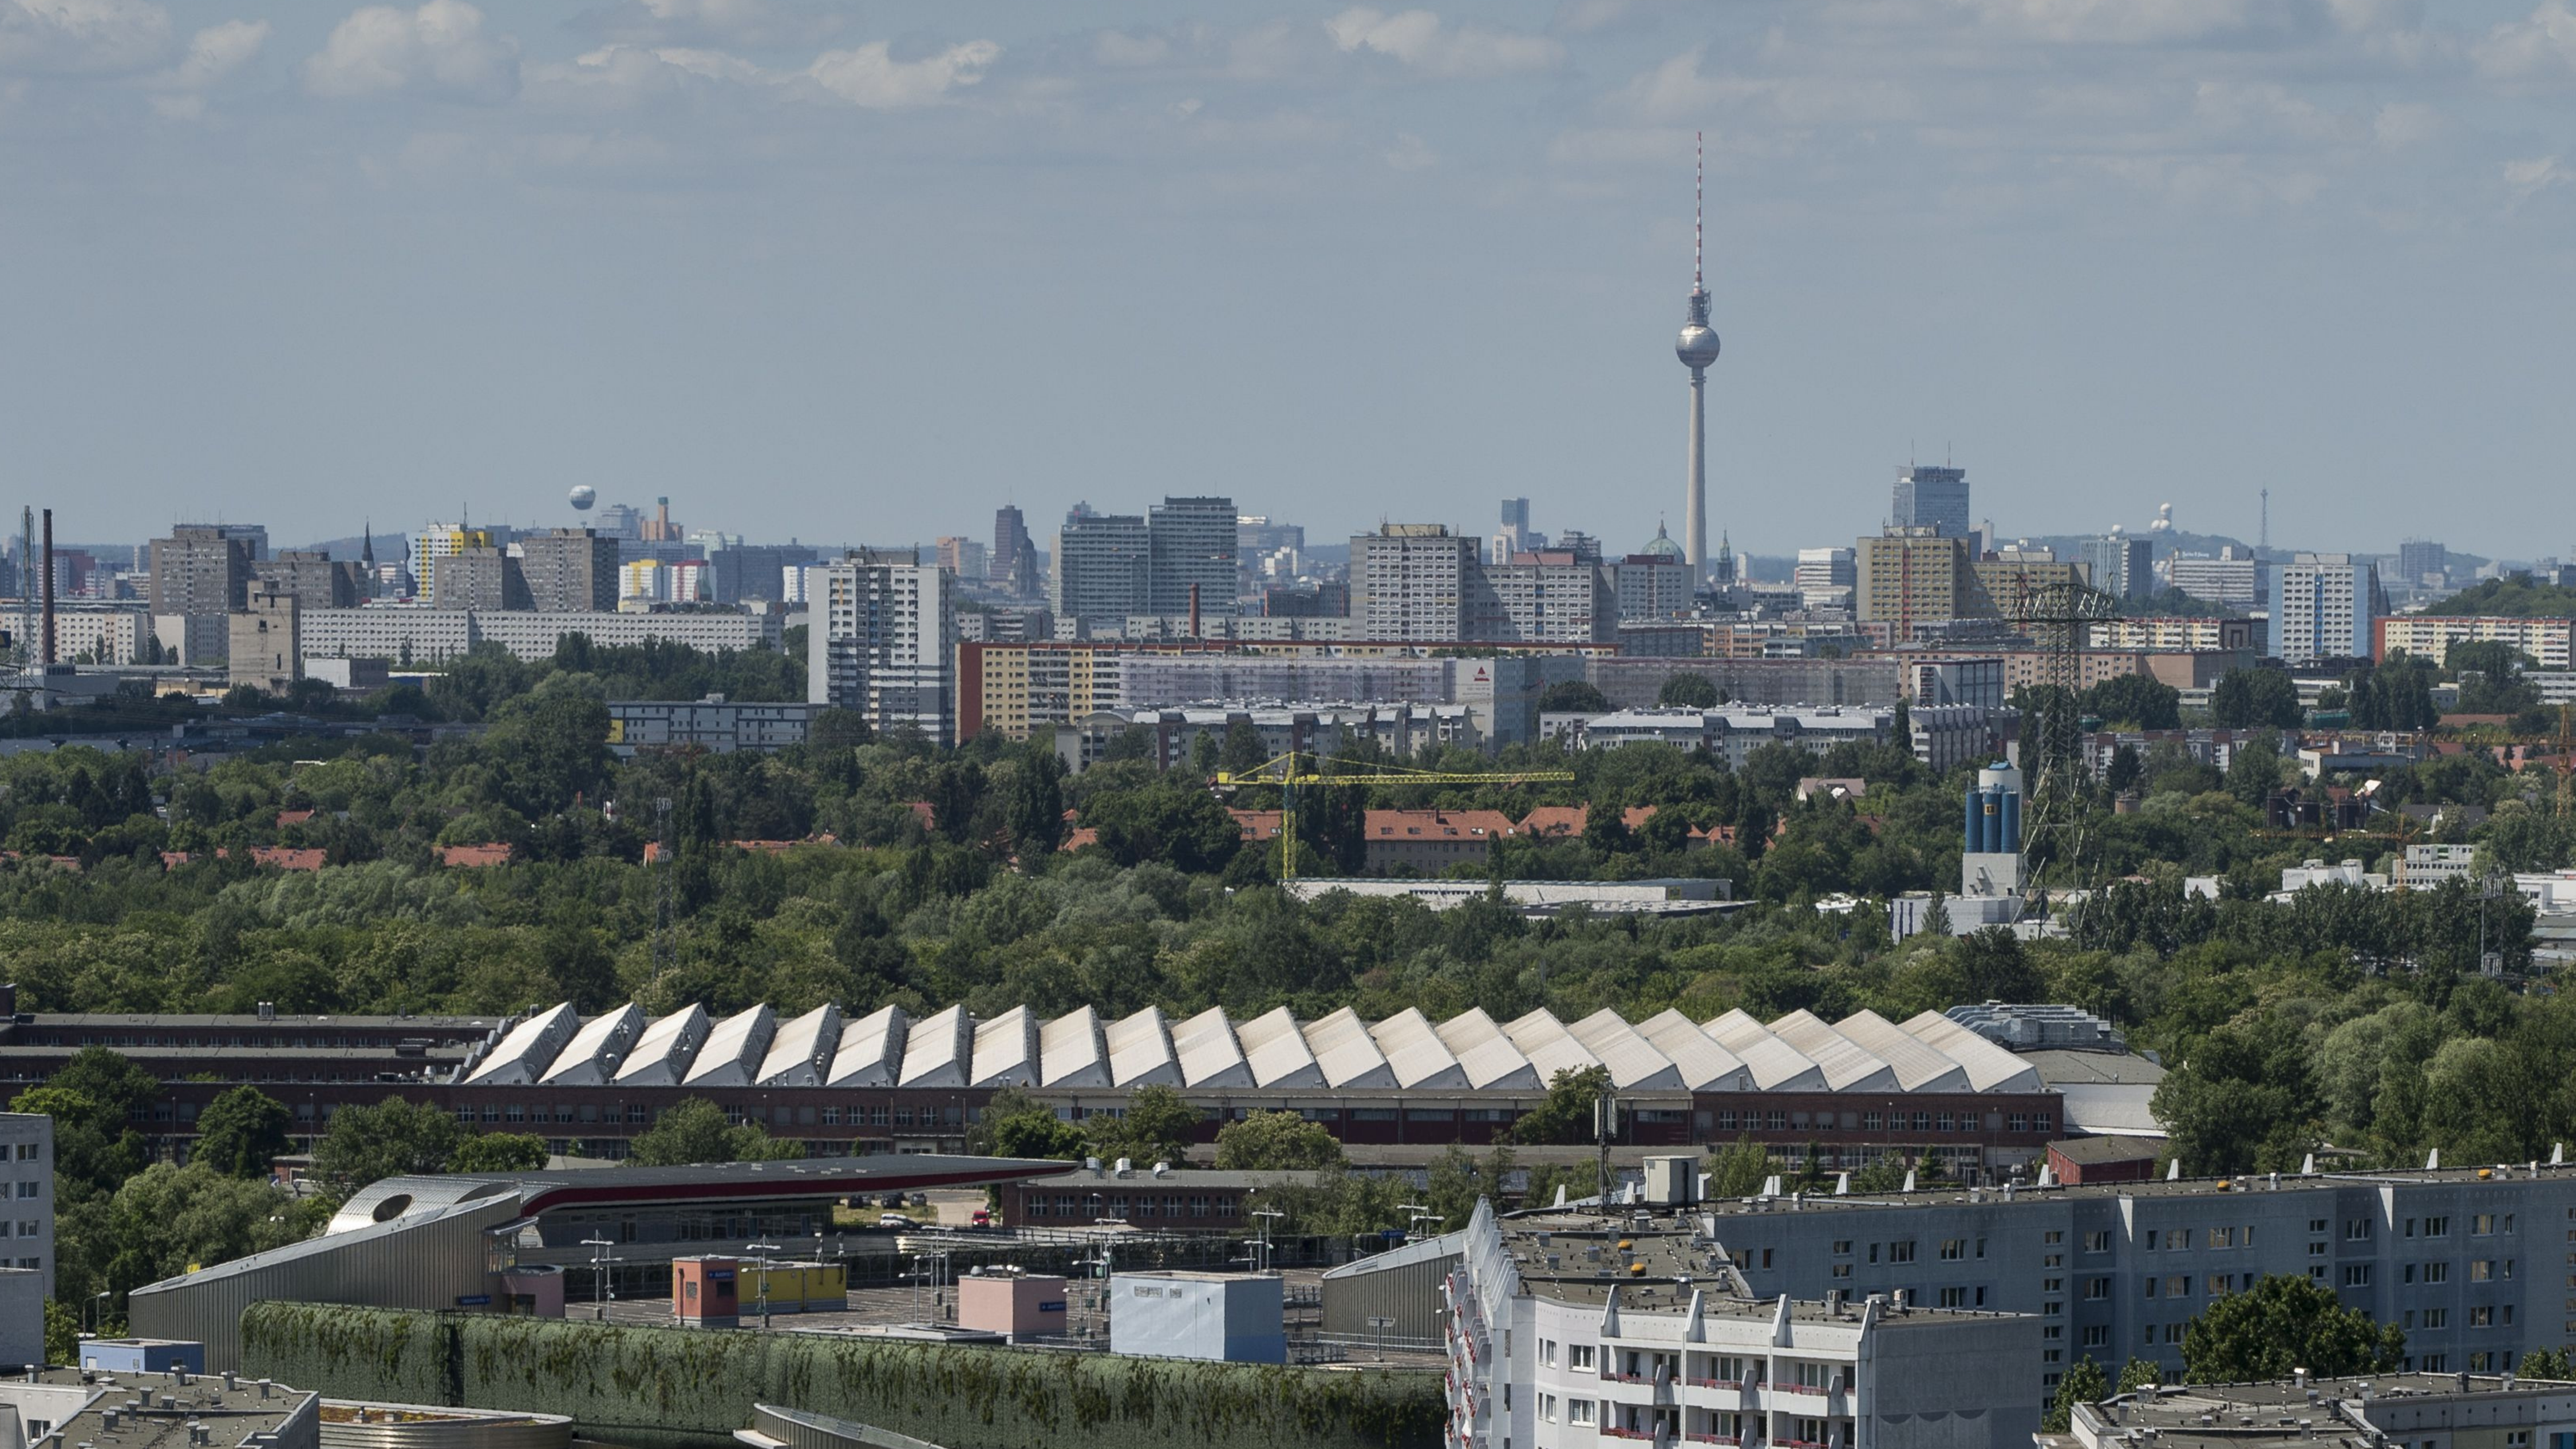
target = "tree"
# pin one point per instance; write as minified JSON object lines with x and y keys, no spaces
{"x":2254,"y":771}
{"x":1184,"y":828}
{"x":2137,"y":701}
{"x":1565,"y":1118}
{"x":499,"y":1152}
{"x":2082,"y":1383}
{"x":1275,"y":1142}
{"x":695,"y":1131}
{"x":1243,"y":751}
{"x":166,"y":1219}
{"x":2253,"y":698}
{"x":2138,"y":1373}
{"x":1015,"y":1124}
{"x":2550,"y":1365}
{"x":1739,"y":1171}
{"x":1572,"y":696}
{"x":1689,"y":691}
{"x":2242,"y":1099}
{"x":1034,"y":815}
{"x":394,"y":1138}
{"x":242,"y":1132}
{"x":93,"y":1100}
{"x":1156,"y":1127}
{"x":2282,"y":1323}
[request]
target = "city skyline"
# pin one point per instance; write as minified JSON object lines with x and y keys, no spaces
{"x":324,"y":257}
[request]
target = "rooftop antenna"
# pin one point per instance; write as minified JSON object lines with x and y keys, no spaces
{"x":2263,"y":532}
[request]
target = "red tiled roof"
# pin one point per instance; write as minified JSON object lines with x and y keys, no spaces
{"x":491,"y":852}
{"x":285,"y":858}
{"x":1567,"y":820}
{"x":293,"y":817}
{"x":1437,"y":824}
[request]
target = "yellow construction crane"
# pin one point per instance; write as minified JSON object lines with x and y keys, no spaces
{"x":1286,"y":773}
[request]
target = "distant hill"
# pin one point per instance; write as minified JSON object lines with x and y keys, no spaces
{"x":2515,"y":597}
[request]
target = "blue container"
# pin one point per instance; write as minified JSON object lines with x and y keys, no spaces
{"x":2010,"y":838}
{"x":1975,"y":839}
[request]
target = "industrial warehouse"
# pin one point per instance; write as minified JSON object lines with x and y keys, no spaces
{"x":890,"y":1082}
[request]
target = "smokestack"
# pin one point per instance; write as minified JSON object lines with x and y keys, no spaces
{"x":1194,"y":606}
{"x":49,"y":586}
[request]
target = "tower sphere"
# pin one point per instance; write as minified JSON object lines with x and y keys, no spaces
{"x":583,"y":495}
{"x":1697,"y":346}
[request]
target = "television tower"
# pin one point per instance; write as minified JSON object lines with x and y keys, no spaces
{"x":1697,"y":348}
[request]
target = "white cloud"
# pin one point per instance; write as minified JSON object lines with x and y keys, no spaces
{"x":2528,"y":179}
{"x":82,"y":37}
{"x":871,"y":77}
{"x":1123,"y":51}
{"x":1422,"y":41}
{"x":213,"y":53}
{"x":1410,"y":153}
{"x":2542,"y":47}
{"x":2130,"y":22}
{"x":438,"y":48}
{"x":718,"y":22}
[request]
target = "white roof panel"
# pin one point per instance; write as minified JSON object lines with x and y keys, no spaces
{"x":1918,"y":1068}
{"x":662,"y":1055}
{"x":801,"y":1054}
{"x":1006,"y":1050}
{"x":1635,"y":1065}
{"x":1276,"y":1051}
{"x":595,"y":1050}
{"x":935,"y":1052}
{"x":1703,"y":1064}
{"x":1070,"y":1053}
{"x":1847,"y":1065}
{"x":871,"y":1050}
{"x":1415,"y":1052}
{"x":1490,"y":1061}
{"x":528,"y":1048}
{"x":735,"y":1049}
{"x":1210,"y":1056}
{"x":1990,"y":1068}
{"x":1773,"y":1064}
{"x":1346,"y":1052}
{"x":1140,"y":1050}
{"x":1548,"y":1045}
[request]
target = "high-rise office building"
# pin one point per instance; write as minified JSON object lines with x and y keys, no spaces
{"x":1192,"y":546}
{"x":1414,"y":582}
{"x":962,"y":556}
{"x":1908,"y":574}
{"x":1933,"y":498}
{"x":313,"y":578}
{"x":1101,"y":567}
{"x":1545,"y":597}
{"x":738,"y":571}
{"x":253,"y":534}
{"x":2324,"y":608}
{"x":2419,"y":562}
{"x":200,"y":571}
{"x":2121,"y":565}
{"x":882,"y":640}
{"x":1655,"y":581}
{"x":1013,"y":563}
{"x":267,"y":647}
{"x":569,"y":571}
{"x":479,"y":576}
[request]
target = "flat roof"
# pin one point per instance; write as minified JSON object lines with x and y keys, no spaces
{"x":551,"y":1191}
{"x":1656,"y":1270}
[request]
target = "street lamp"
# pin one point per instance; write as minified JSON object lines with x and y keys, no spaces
{"x":1261,"y":1246}
{"x":764,"y":1277}
{"x":601,"y":1290}
{"x":93,"y":1306}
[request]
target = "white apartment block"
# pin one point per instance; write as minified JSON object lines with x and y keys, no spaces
{"x":1573,"y":1331}
{"x":424,"y":635}
{"x":27,"y":1177}
{"x":2235,"y":582}
{"x":1544,"y":604}
{"x":2324,"y":609}
{"x":1653,"y":588}
{"x":882,"y":640}
{"x":101,"y":633}
{"x":1410,"y":582}
{"x":2430,"y":636}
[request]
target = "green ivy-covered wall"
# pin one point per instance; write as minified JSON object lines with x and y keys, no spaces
{"x":677,"y":1386}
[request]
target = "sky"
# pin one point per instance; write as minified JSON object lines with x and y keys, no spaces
{"x":866,"y":271}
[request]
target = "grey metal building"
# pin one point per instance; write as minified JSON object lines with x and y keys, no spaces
{"x":2466,"y":1261}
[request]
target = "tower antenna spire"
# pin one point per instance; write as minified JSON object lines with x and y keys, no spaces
{"x":1699,"y":203}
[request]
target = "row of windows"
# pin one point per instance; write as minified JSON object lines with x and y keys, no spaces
{"x":1167,"y":1205}
{"x":1783,"y":1120}
{"x":638,"y":1114}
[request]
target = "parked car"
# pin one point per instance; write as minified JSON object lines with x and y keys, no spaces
{"x":983,"y":1218}
{"x":895,"y":1220}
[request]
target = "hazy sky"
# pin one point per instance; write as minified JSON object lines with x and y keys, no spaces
{"x":866,"y":271}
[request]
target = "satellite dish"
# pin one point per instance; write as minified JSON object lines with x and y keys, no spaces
{"x":583,"y":496}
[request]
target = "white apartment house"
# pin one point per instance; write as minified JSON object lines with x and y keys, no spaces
{"x":27,"y":1257}
{"x":2325,"y":605}
{"x":881,"y":639}
{"x":1576,"y":1331}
